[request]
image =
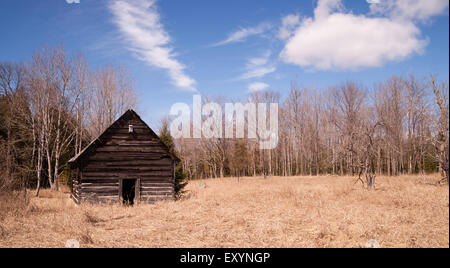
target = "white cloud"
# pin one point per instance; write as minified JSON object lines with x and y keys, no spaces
{"x":335,"y":39}
{"x":288,"y":26}
{"x":257,"y":86}
{"x":259,"y":72}
{"x":326,"y":7}
{"x":243,"y":33}
{"x":139,"y":22}
{"x":410,"y":9}
{"x":258,"y":67}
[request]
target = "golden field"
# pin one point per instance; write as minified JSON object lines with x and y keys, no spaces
{"x":252,"y":212}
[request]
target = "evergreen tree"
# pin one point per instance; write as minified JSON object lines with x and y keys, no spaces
{"x":180,"y":175}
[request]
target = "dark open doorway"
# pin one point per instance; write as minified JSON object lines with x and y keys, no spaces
{"x":128,"y":191}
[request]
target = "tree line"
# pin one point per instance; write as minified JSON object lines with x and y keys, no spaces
{"x":50,"y":108}
{"x":399,"y":126}
{"x":53,"y":105}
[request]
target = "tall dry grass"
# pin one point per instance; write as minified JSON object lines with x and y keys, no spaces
{"x":254,"y":212}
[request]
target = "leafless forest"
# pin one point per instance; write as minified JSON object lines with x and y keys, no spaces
{"x":51,"y":107}
{"x":399,"y":126}
{"x":54,"y":104}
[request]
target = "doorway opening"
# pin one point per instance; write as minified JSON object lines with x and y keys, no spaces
{"x":128,"y":191}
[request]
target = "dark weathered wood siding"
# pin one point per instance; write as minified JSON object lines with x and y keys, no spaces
{"x":118,"y":155}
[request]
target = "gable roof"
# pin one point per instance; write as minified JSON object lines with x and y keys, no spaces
{"x":97,"y":141}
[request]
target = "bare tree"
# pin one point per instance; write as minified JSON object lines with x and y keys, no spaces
{"x":441,"y":137}
{"x":345,"y":113}
{"x":113,"y":94}
{"x":11,"y":94}
{"x":51,"y":78}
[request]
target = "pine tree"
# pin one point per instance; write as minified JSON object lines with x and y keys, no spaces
{"x":180,"y":175}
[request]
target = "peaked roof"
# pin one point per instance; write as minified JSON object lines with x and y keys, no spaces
{"x":97,"y":141}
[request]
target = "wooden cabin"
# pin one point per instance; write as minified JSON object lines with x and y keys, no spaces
{"x":127,"y":164}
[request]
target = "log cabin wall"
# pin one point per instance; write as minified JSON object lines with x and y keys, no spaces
{"x":119,"y":155}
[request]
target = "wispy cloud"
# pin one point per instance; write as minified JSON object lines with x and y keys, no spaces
{"x":288,"y":25}
{"x":258,"y":67}
{"x":243,"y":33}
{"x":139,"y":22}
{"x":257,"y":86}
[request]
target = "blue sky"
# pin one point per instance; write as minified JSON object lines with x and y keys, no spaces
{"x":175,"y":48}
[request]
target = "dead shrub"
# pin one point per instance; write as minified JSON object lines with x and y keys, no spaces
{"x":91,"y":219}
{"x":86,"y":237}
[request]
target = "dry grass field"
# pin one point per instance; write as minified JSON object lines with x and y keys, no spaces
{"x":254,"y":212}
